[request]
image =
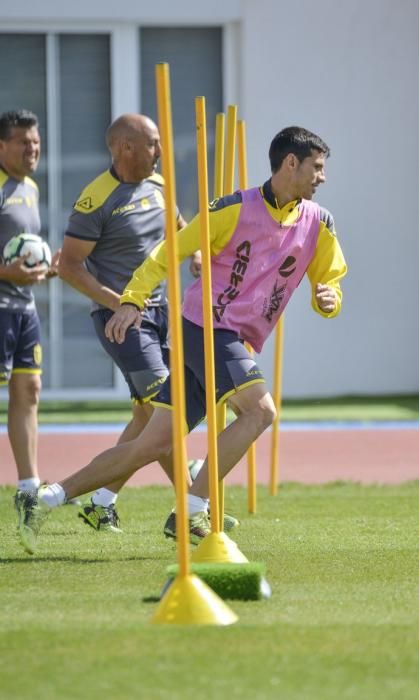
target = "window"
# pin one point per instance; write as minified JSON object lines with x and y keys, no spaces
{"x":65,"y":78}
{"x":79,"y":115}
{"x":195,"y":60}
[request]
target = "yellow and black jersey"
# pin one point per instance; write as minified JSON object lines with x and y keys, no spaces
{"x":19,"y":213}
{"x":126,"y":221}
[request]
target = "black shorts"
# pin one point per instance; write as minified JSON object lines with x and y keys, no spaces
{"x":20,"y":344}
{"x":235,"y":369}
{"x":143,"y":357}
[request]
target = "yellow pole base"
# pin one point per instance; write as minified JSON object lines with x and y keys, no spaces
{"x":189,"y":601}
{"x":218,"y":548}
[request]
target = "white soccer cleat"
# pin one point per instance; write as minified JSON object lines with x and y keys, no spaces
{"x":32,"y":512}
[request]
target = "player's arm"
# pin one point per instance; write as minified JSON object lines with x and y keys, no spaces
{"x":326,"y":269}
{"x":223,"y":217}
{"x":72,"y":269}
{"x":154,"y":269}
{"x":195,"y":259}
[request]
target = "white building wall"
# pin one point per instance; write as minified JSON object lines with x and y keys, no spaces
{"x":347,"y":70}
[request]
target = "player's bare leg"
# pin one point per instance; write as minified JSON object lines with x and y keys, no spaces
{"x":256,"y":412}
{"x":100,"y":510}
{"x":24,"y":392}
{"x":117,"y":463}
{"x":121,"y":461}
{"x":22,"y":426}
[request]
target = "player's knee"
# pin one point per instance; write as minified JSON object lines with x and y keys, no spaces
{"x":160,"y":433}
{"x":27,"y":390}
{"x":159,"y":444}
{"x":266,"y":414}
{"x":33,"y":389}
{"x":164,"y":446}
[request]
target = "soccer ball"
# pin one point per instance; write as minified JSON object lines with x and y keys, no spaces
{"x":37,"y":250}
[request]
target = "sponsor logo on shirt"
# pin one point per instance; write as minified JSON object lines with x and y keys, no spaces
{"x":122,"y":210}
{"x":16,"y":201}
{"x":272,"y":305}
{"x":287,"y":267}
{"x":238,"y":272}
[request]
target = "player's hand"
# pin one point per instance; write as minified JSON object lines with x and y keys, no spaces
{"x":18,"y":273}
{"x":326,"y":298}
{"x":195,"y":264}
{"x":53,"y":268}
{"x":127,"y":315}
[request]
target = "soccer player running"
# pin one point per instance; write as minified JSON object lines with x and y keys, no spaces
{"x":20,"y":334}
{"x":263,"y":241}
{"x":116,"y":222}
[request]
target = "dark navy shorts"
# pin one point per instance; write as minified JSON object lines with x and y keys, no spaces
{"x":20,"y":344}
{"x":143,"y":357}
{"x":235,"y":368}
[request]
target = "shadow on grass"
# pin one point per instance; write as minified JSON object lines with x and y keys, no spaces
{"x":29,"y":559}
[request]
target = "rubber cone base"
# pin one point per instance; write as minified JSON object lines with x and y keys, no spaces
{"x":218,"y":547}
{"x":189,"y":601}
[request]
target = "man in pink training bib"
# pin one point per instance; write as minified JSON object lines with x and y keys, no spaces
{"x":262,"y":242}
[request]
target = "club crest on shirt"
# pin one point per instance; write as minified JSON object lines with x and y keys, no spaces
{"x":84,"y":204}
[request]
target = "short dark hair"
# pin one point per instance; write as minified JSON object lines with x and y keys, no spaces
{"x":296,"y":140}
{"x":21,"y":118}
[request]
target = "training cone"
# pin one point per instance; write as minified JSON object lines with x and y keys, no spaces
{"x":217,"y":547}
{"x":189,"y":601}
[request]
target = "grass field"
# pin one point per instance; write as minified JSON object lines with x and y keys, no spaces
{"x":343,"y":621}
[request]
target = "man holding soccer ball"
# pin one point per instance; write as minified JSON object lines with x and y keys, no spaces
{"x":20,"y":339}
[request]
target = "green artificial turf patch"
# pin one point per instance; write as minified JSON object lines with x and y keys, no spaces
{"x":229,"y":581}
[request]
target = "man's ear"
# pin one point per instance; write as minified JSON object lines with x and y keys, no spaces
{"x":292,"y":161}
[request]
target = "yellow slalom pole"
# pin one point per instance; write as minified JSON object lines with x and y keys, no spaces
{"x":221,"y":413}
{"x":243,"y":184}
{"x":216,"y":547}
{"x":242,"y":154}
{"x":201,"y":135}
{"x":218,"y":192}
{"x":176,"y":354}
{"x":219,"y":155}
{"x":188,"y":600}
{"x":230,"y":149}
{"x":228,"y":189}
{"x":278,"y":353}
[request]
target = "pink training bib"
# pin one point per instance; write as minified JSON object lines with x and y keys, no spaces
{"x":254,"y":276}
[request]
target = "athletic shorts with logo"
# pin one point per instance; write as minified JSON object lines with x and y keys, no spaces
{"x":235,"y":368}
{"x":20,"y":344}
{"x":143,"y":357}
